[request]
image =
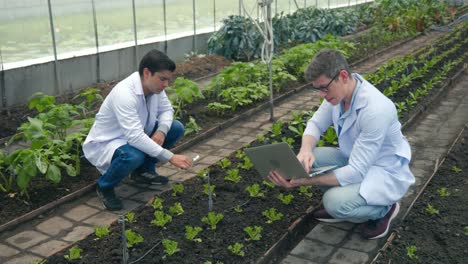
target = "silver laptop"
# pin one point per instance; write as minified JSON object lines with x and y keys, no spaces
{"x":280,"y":157}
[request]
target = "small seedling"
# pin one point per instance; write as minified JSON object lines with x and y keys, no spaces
{"x":74,"y":253}
{"x":233,"y":175}
{"x":238,"y":209}
{"x":237,"y":249}
{"x":192,"y":232}
{"x":211,"y":189}
{"x":176,"y":209}
{"x":212,"y":219}
{"x":254,"y":190}
{"x":203,"y":173}
{"x":240,"y":154}
{"x":157,"y":203}
{"x":456,"y":169}
{"x":224,"y":163}
{"x":254,"y":233}
{"x":161,"y":219}
{"x":133,"y":238}
{"x":306,"y":191}
{"x":268,"y":184}
{"x":431,"y":210}
{"x":130,"y":217}
{"x":101,"y":231}
{"x":411,"y":252}
{"x":286,"y":199}
{"x":465,"y":229}
{"x":39,"y":261}
{"x":443,"y":192}
{"x":288,"y":140}
{"x":209,"y":262}
{"x":260,"y":138}
{"x":272,"y":215}
{"x":246,"y":165}
{"x":170,"y":247}
{"x":177,"y":188}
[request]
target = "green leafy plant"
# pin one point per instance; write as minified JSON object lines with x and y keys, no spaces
{"x":272,"y":215}
{"x":161,"y":219}
{"x":276,"y":128}
{"x":268,"y":184}
{"x":176,"y":209}
{"x":443,"y":192}
{"x":191,"y":126}
{"x":237,"y":249}
{"x":233,"y":176}
{"x":212,"y":219}
{"x":254,"y":233}
{"x":456,"y":169}
{"x":247,"y":164}
{"x":130,"y":217}
{"x":260,"y":138}
{"x":465,"y":229}
{"x":6,"y":178}
{"x":306,"y":191}
{"x":254,"y":190}
{"x":133,"y":238}
{"x":411,"y":252}
{"x":170,"y":247}
{"x":183,"y":92}
{"x":74,"y":253}
{"x":157,"y":203}
{"x":288,"y":140}
{"x":224,"y":163}
{"x":101,"y":231}
{"x":207,"y":189}
{"x":192,"y":232}
{"x":203,"y":173}
{"x":177,"y":188}
{"x":286,"y":199}
{"x":431,"y":210}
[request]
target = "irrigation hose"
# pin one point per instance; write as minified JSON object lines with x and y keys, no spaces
{"x":420,"y":192}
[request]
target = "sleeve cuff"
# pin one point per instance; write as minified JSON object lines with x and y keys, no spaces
{"x":163,"y":128}
{"x":165,"y":155}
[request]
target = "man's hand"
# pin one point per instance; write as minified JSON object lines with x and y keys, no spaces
{"x":158,"y":137}
{"x":279,"y":180}
{"x":181,"y":161}
{"x":306,"y":158}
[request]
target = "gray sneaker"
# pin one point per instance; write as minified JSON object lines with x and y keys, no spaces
{"x":149,"y":178}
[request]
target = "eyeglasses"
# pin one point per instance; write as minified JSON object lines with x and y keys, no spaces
{"x":325,"y":88}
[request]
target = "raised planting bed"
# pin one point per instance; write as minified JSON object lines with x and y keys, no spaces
{"x":436,"y":228}
{"x":242,"y":198}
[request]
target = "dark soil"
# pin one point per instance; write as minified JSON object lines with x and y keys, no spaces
{"x":42,"y":192}
{"x":443,"y":237}
{"x":214,"y":245}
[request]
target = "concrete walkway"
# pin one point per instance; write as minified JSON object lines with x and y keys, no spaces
{"x":339,"y":243}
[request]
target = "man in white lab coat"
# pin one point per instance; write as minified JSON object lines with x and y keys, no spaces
{"x":134,"y":129}
{"x":373,"y":155}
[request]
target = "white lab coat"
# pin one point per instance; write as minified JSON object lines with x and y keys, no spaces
{"x":378,"y":153}
{"x":126,"y":116}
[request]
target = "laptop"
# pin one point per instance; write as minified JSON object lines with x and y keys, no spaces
{"x":280,"y":157}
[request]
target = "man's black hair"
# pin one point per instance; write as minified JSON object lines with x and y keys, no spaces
{"x":156,"y":61}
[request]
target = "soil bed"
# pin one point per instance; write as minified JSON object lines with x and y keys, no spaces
{"x":442,"y":237}
{"x":214,"y":245}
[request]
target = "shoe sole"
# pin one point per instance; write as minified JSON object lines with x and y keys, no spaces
{"x":395,"y":213}
{"x":355,"y":221}
{"x":104,"y":205}
{"x":144,"y":181}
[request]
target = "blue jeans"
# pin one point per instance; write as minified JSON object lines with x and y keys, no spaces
{"x":128,"y":158}
{"x":345,"y":202}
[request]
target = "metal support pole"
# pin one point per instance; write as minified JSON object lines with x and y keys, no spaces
{"x":328,"y":4}
{"x":165,"y":26}
{"x":121,"y":222}
{"x":135,"y":34}
{"x":305,"y":3}
{"x":240,"y":7}
{"x":194,"y":39}
{"x":316,"y":3}
{"x":96,"y":38}
{"x":54,"y":46}
{"x":2,"y":85}
{"x":270,"y":66}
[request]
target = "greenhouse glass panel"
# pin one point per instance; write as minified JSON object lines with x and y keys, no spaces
{"x":179,"y":16}
{"x":25,"y":30}
{"x":205,"y":14}
{"x":251,"y":7}
{"x":224,"y":9}
{"x":149,"y":19}
{"x":283,"y":6}
{"x":114,"y":21}
{"x":74,"y":27}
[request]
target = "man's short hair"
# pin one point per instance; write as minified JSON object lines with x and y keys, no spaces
{"x":326,"y":62}
{"x":156,"y":61}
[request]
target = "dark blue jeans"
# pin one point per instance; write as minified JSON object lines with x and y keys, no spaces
{"x":128,"y":158}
